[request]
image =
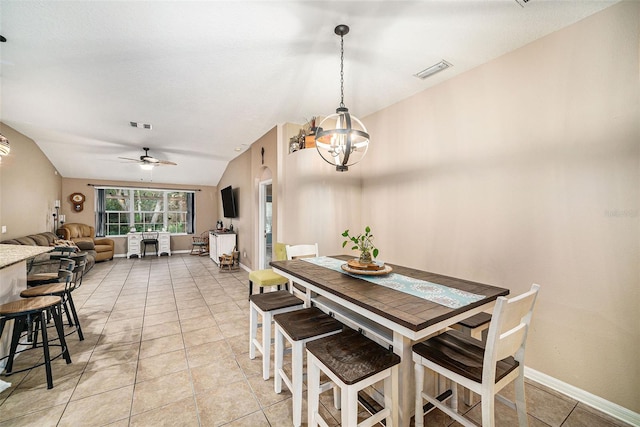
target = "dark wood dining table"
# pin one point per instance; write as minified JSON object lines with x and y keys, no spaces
{"x":410,"y":318}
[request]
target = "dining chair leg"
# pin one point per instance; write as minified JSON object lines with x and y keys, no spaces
{"x":419,"y":382}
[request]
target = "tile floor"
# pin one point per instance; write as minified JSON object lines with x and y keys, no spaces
{"x":166,"y":343}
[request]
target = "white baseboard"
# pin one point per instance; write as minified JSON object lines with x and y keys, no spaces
{"x":602,"y":405}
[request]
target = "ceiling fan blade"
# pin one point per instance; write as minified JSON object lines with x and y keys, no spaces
{"x":130,"y":159}
{"x":166,"y":162}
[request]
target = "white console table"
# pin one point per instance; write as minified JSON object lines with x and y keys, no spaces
{"x":134,"y":243}
{"x":219,"y":244}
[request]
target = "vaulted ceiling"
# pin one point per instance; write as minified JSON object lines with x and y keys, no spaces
{"x":211,"y":77}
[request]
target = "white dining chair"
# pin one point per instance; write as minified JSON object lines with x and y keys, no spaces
{"x":483,"y":370}
{"x":296,"y":252}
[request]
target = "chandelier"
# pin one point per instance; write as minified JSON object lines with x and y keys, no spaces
{"x":341,"y":139}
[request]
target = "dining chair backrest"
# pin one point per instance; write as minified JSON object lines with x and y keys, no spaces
{"x":150,"y":235}
{"x":507,"y":333}
{"x":280,"y":251}
{"x":302,"y":251}
{"x":65,"y":273}
{"x":78,"y":270}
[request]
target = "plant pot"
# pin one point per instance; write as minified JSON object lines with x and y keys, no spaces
{"x":365,"y":257}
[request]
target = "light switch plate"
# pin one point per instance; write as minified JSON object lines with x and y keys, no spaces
{"x":4,"y":229}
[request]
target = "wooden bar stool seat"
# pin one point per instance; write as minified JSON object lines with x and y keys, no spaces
{"x":353,"y":362}
{"x":267,"y":305}
{"x":23,"y":312}
{"x":298,"y":327}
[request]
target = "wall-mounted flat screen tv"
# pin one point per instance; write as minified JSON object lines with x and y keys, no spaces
{"x":229,"y":203}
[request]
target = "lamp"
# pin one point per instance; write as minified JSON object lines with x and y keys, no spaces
{"x":348,"y":141}
{"x":56,"y":215}
{"x":4,"y":146}
{"x":147,"y":166}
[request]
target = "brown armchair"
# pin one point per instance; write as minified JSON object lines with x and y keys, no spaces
{"x":82,"y":233}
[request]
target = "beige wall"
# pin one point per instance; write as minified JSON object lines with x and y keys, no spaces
{"x":238,"y":176}
{"x":316,"y":203}
{"x":523,"y":170}
{"x":206,"y":208}
{"x":29,"y":186}
{"x":526,"y":170}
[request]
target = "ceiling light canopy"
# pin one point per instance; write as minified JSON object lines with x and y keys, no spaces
{"x":341,"y":139}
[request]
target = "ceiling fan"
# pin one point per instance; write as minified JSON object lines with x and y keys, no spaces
{"x":147,"y":162}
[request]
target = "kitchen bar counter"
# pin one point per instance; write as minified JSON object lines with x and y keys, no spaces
{"x":13,"y":254}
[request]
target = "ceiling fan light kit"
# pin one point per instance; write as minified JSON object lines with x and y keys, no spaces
{"x":342,"y":139}
{"x":147,"y":162}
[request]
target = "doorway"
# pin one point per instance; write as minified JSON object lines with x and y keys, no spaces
{"x":266,"y":229}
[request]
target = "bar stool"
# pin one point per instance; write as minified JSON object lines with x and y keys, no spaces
{"x":353,"y":362}
{"x":267,"y":305}
{"x":298,"y":327}
{"x":62,"y":290}
{"x":23,"y":312}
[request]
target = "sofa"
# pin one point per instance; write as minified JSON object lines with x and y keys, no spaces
{"x":43,"y":263}
{"x":83,"y":234}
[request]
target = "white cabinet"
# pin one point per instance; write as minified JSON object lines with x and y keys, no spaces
{"x":134,"y":244}
{"x":220,"y":243}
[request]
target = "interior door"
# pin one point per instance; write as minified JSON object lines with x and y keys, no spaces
{"x":266,"y":217}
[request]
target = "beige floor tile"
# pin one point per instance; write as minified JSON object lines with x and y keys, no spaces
{"x":202,"y":336}
{"x":219,"y":375}
{"x":157,"y":319}
{"x":161,"y":391}
{"x":106,"y":379}
{"x":150,"y":332}
{"x":180,"y":413}
{"x":161,"y":345}
{"x":208,"y":353}
{"x":98,"y":410}
{"x":584,"y":416}
{"x":218,"y":406}
{"x":44,"y":418}
{"x":194,"y":312}
{"x":162,"y":364}
{"x":195,"y":323}
{"x":29,"y":400}
{"x":160,"y":308}
{"x":120,"y":326}
{"x":256,"y":419}
{"x":113,"y":341}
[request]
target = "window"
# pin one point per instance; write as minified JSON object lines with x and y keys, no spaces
{"x":119,"y":209}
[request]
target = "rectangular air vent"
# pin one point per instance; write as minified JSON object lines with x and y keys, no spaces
{"x":436,"y":68}
{"x":522,"y":2}
{"x":140,"y":125}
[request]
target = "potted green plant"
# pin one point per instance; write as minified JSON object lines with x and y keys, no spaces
{"x":364,"y":243}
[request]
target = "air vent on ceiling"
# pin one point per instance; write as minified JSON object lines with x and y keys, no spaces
{"x":436,"y":68}
{"x":522,"y":2}
{"x":140,"y":125}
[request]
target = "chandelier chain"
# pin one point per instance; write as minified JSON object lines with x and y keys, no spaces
{"x":341,"y":71}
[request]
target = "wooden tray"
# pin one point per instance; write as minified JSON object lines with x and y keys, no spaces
{"x":386,"y":270}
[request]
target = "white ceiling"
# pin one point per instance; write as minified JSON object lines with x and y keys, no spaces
{"x":211,"y":76}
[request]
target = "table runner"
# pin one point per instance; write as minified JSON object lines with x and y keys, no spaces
{"x":440,"y":294}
